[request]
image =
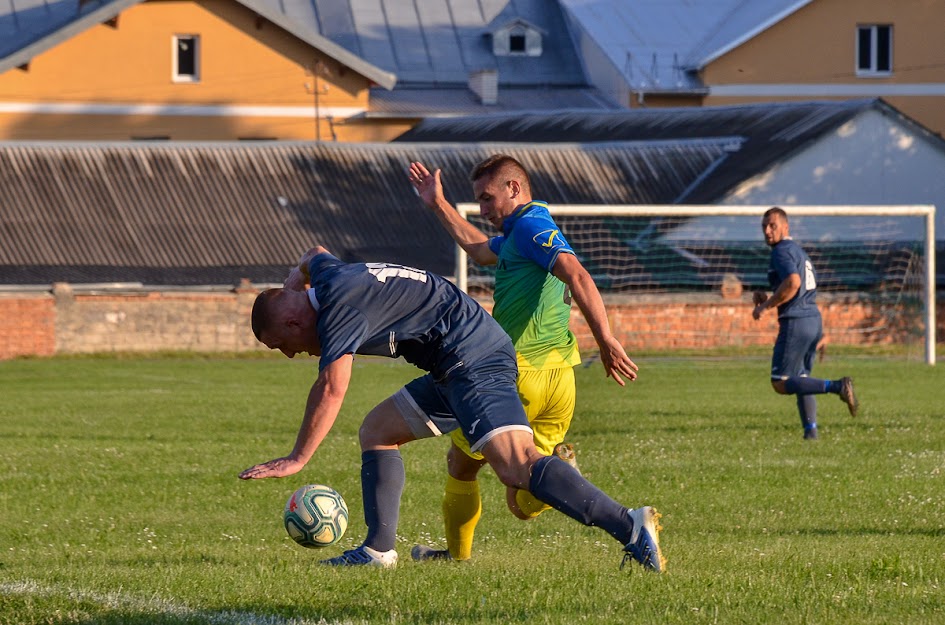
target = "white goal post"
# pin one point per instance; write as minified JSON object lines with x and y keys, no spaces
{"x":677,"y":216}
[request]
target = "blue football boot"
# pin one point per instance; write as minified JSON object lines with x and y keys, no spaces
{"x":644,"y":545}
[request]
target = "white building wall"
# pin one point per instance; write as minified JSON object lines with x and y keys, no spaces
{"x":870,"y":160}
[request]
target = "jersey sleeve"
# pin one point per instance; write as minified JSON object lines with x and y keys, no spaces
{"x":341,"y":330}
{"x":783,"y":262}
{"x":495,"y":244}
{"x":319,"y":262}
{"x":541,"y":242}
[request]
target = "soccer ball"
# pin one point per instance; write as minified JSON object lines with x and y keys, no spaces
{"x":316,"y":516}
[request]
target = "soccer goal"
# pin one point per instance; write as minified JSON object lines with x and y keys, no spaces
{"x":681,"y":277}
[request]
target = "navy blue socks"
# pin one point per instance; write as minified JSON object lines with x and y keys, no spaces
{"x":560,"y":486}
{"x":382,"y":483}
{"x":799,"y":385}
{"x":807,"y":407}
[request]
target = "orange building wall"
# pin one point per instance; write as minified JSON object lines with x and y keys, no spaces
{"x":817,"y":45}
{"x":244,"y":61}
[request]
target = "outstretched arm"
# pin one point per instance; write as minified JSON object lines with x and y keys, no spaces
{"x":616,"y":362}
{"x":467,"y":236}
{"x":321,"y":410}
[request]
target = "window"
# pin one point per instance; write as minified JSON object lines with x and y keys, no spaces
{"x":186,"y":58}
{"x":874,"y":50}
{"x":517,"y":38}
{"x":517,"y":43}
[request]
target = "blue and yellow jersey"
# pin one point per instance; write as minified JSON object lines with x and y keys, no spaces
{"x":531,"y":304}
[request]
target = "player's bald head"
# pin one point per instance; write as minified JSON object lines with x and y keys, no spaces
{"x":263,"y":308}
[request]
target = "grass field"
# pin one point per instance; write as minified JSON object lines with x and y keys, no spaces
{"x":119,"y":501}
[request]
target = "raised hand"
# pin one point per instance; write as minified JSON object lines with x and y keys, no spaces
{"x":427,"y":185}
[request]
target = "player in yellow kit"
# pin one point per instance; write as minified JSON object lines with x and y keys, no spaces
{"x":537,"y":275}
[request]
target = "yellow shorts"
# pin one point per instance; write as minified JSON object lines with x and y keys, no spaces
{"x":548,"y":398}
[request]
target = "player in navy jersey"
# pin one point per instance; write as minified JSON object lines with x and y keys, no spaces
{"x":389,"y":310}
{"x":794,"y":283}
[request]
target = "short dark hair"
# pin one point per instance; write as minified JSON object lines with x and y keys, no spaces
{"x":502,"y":166}
{"x":262,"y":311}
{"x":775,"y":210}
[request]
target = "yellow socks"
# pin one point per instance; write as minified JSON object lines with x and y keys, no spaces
{"x":462,"y":508}
{"x":529,"y":504}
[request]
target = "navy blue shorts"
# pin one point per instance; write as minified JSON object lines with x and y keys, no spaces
{"x":796,"y":346}
{"x":481,"y":397}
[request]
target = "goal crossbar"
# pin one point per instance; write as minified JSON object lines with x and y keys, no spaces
{"x":927,"y":211}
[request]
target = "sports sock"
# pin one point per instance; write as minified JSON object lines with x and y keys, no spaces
{"x":530,"y":505}
{"x":559,"y":485}
{"x":462,"y":508}
{"x":382,"y":483}
{"x":807,"y":407}
{"x":800,"y":385}
{"x":834,"y":386}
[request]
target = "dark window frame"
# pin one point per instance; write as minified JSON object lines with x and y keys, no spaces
{"x":874,"y":50}
{"x":186,"y":67}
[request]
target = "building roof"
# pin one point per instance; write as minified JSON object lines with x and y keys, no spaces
{"x":438,"y":42}
{"x":30,"y":27}
{"x":659,"y":45}
{"x":452,"y":102}
{"x":214,"y":213}
{"x":756,"y":135}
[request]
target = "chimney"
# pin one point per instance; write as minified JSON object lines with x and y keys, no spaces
{"x":485,"y":84}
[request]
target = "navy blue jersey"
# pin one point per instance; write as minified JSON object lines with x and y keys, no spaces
{"x":788,"y":257}
{"x":381,"y":309}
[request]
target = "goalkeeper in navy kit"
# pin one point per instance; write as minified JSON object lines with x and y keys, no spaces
{"x":794,"y":283}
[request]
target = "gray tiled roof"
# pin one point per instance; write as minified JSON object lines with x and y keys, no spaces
{"x":443,"y":102}
{"x":657,"y":44}
{"x":758,"y":134}
{"x":442,"y":41}
{"x":183,"y":214}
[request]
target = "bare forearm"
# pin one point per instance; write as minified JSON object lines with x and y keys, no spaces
{"x":785,"y":291}
{"x":321,"y":410}
{"x":617,"y":363}
{"x":322,"y":407}
{"x":473,"y":241}
{"x":585,"y":294}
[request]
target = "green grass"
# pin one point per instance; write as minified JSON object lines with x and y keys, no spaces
{"x":119,"y":501}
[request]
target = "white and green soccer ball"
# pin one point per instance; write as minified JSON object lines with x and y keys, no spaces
{"x":316,"y":516}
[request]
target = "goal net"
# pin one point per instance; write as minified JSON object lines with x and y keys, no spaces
{"x":681,"y":277}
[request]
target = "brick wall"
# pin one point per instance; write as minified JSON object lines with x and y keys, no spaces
{"x":673,"y":322}
{"x":67,"y":321}
{"x":27,"y":325}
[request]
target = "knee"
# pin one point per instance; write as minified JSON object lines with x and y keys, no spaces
{"x":513,"y":475}
{"x":374,"y":435}
{"x":511,"y":456}
{"x":368,"y":437}
{"x":778,"y":386}
{"x":461,"y":466}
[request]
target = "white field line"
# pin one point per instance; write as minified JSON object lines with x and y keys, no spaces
{"x":155,"y":605}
